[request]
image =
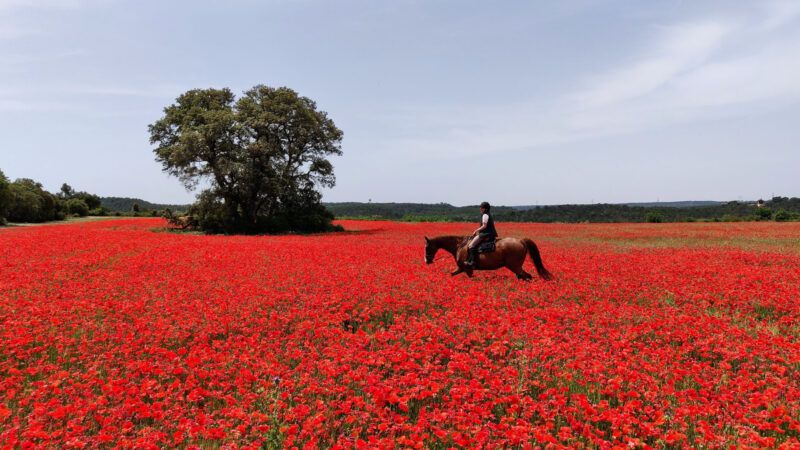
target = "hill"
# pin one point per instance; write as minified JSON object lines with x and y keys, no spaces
{"x":408,"y":211}
{"x":683,"y":204}
{"x":602,"y":212}
{"x":125,"y":204}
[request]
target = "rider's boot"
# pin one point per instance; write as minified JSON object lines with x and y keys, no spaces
{"x":472,"y":256}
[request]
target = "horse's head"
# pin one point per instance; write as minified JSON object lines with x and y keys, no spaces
{"x":430,"y":250}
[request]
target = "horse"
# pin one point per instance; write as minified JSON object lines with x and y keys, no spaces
{"x":509,"y":253}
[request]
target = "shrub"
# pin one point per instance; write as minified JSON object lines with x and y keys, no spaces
{"x":763,"y":213}
{"x":654,"y":217}
{"x":101,"y":211}
{"x":730,"y":218}
{"x":78,"y":207}
{"x":784,"y":216}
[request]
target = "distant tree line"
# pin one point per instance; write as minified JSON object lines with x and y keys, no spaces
{"x":778,"y":209}
{"x":25,"y":200}
{"x":420,"y":212}
{"x":125,"y":205}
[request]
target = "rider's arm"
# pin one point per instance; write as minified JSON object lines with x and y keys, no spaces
{"x":485,"y":220}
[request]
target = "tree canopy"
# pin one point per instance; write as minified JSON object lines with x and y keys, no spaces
{"x":25,"y":200}
{"x":261,"y":156}
{"x":31,"y":203}
{"x":5,"y":197}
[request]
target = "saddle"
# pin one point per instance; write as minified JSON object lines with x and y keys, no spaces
{"x":488,"y":246}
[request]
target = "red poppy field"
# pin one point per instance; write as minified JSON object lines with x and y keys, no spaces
{"x":650,"y":335}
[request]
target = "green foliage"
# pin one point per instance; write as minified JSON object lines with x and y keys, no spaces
{"x":763,"y":213}
{"x":605,"y":213}
{"x":92,"y":201}
{"x":5,"y":197}
{"x":77,"y":207}
{"x":66,"y":192}
{"x":101,"y":211}
{"x":209,"y":213}
{"x":414,"y":212}
{"x":25,"y":200}
{"x":784,"y":216}
{"x":264,"y":156}
{"x":31,"y":203}
{"x":135,"y":208}
{"x":125,"y":204}
{"x":731,"y":218}
{"x":654,"y":217}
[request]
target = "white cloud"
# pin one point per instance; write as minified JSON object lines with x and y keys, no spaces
{"x":780,"y":13}
{"x":14,"y":105}
{"x":12,"y":27}
{"x":154,"y":91}
{"x":708,"y":72}
{"x":693,"y":71}
{"x":771,"y":74}
{"x":10,"y":60}
{"x":681,"y":48}
{"x":76,"y":96}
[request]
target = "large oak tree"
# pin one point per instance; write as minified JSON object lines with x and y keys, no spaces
{"x":262,"y":157}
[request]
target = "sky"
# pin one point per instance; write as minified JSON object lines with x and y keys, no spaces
{"x":462,"y":101}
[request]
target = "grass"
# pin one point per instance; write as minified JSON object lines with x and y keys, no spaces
{"x":66,"y":221}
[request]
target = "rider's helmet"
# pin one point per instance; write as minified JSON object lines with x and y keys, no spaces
{"x":486,"y":206}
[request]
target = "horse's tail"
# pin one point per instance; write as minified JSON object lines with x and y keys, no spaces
{"x":533,"y":251}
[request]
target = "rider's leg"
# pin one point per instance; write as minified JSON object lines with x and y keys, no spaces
{"x":472,"y":251}
{"x":475,"y":241}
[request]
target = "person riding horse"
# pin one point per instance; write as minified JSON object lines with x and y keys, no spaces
{"x":484,"y":232}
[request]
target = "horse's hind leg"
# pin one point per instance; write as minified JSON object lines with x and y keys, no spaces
{"x":457,"y":271}
{"x":521,"y":274}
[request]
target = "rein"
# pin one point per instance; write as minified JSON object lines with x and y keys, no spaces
{"x":464,"y":242}
{"x":441,"y":257}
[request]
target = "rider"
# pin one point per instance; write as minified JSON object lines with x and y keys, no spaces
{"x":484,"y":232}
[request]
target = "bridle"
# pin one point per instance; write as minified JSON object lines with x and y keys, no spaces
{"x":461,"y":244}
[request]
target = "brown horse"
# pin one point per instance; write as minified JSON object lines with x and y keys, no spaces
{"x":509,"y":253}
